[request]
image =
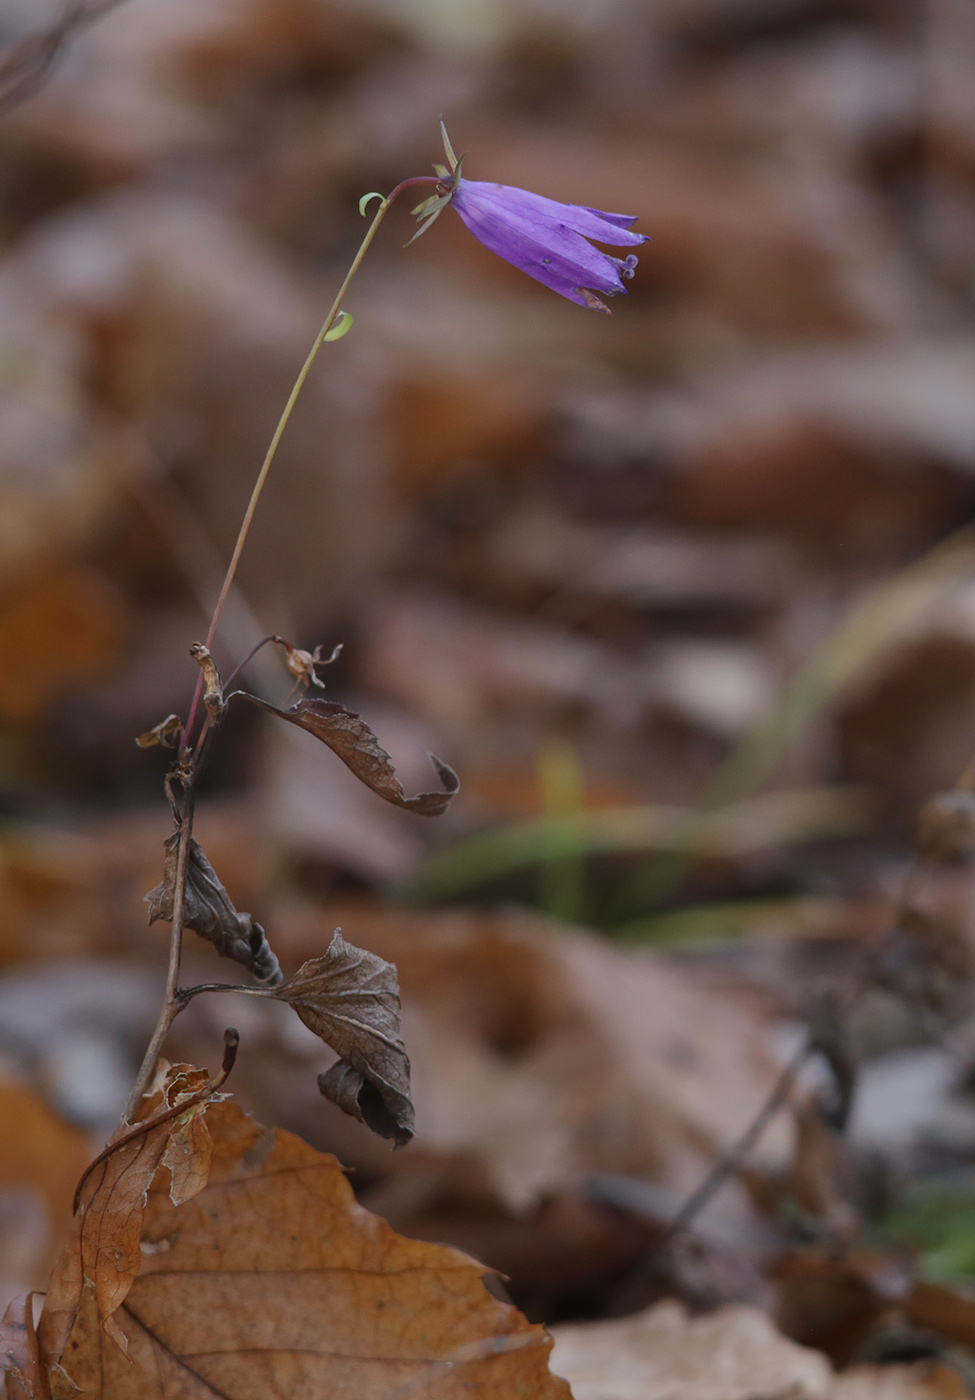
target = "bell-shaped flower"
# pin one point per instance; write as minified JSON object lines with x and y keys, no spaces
{"x":552,"y":242}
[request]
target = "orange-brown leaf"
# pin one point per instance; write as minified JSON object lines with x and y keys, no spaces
{"x":102,"y":1255}
{"x":274,"y":1282}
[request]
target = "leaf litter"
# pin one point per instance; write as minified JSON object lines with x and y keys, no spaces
{"x":267,"y":1280}
{"x":848,"y":459}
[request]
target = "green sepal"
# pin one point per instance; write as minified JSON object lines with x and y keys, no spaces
{"x":448,"y":148}
{"x":432,"y":219}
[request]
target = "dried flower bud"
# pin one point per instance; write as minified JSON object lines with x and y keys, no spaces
{"x":166,"y":733}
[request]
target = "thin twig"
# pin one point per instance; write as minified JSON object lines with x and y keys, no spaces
{"x":732,"y":1161}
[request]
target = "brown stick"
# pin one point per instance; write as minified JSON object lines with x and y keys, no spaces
{"x":173,"y":1004}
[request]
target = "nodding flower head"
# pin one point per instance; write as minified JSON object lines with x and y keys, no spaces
{"x":548,"y":240}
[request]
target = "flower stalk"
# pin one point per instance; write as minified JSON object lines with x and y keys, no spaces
{"x":190,"y":755}
{"x":551,"y":242}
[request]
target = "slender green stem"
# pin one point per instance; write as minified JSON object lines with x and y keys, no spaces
{"x":269,"y":456}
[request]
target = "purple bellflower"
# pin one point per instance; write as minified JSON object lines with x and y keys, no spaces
{"x":546,"y":239}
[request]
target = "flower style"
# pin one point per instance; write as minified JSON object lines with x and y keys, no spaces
{"x":546,"y":239}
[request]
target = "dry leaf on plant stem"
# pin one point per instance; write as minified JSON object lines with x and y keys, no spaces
{"x":209,"y":912}
{"x":273,"y":1281}
{"x":102,"y":1255}
{"x":350,"y":998}
{"x":348,"y":736}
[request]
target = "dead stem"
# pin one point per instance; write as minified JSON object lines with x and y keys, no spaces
{"x":173,"y":1004}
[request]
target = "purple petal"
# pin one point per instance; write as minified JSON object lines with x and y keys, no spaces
{"x":620,"y":220}
{"x":557,"y":256}
{"x":547,"y":213}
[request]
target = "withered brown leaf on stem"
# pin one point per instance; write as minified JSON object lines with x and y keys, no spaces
{"x":209,"y":912}
{"x":351,"y":999}
{"x":102,"y":1256}
{"x":166,"y":733}
{"x":351,"y":739}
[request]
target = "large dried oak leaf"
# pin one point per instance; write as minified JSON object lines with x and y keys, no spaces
{"x":273,"y":1283}
{"x":208,"y":911}
{"x":351,"y":739}
{"x":350,"y":998}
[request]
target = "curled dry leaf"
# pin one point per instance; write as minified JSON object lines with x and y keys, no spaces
{"x":348,"y":736}
{"x":102,"y":1255}
{"x":351,"y":999}
{"x":166,"y":733}
{"x":209,"y":912}
{"x":273,"y":1282}
{"x":20,"y":1359}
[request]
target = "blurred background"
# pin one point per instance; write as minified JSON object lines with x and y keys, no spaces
{"x":686,"y":595}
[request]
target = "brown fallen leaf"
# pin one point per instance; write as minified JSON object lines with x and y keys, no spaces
{"x":273,"y":1281}
{"x":209,"y":912}
{"x":102,"y":1255}
{"x":351,"y":739}
{"x":20,"y":1359}
{"x":918,"y":1380}
{"x":350,"y":998}
{"x":733,"y":1354}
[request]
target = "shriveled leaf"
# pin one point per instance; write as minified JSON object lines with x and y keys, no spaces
{"x":20,"y":1359}
{"x":166,"y":733}
{"x":348,"y":736}
{"x":209,"y":912}
{"x":274,"y":1282}
{"x":102,"y":1255}
{"x":351,"y":999}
